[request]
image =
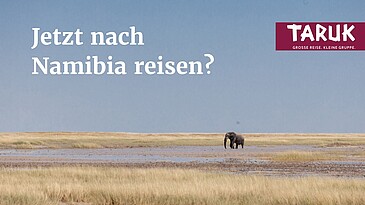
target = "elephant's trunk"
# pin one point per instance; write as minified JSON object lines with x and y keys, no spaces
{"x":225,"y":142}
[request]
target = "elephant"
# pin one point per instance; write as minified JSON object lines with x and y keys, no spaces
{"x":234,"y":138}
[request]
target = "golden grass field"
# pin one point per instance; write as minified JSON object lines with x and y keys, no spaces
{"x":120,"y":140}
{"x":92,"y":185}
{"x":81,"y":184}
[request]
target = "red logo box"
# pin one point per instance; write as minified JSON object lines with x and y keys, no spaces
{"x":312,"y":36}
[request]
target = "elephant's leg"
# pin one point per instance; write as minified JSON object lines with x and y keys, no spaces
{"x":242,"y":145}
{"x":236,"y":145}
{"x":231,"y":145}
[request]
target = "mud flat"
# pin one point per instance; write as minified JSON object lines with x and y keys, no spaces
{"x":341,"y":161}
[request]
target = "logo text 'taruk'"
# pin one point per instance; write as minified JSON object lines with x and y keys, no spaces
{"x":320,"y":36}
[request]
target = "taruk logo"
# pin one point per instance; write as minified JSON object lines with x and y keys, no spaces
{"x":320,"y":36}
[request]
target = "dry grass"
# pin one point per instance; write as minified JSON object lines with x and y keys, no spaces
{"x":351,"y":154}
{"x":317,"y":139}
{"x":116,"y":140}
{"x":303,"y":156}
{"x":103,"y":140}
{"x":86,"y":145}
{"x":92,"y":185}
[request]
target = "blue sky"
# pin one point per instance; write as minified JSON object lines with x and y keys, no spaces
{"x":252,"y":87}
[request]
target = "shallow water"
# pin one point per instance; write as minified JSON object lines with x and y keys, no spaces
{"x":178,"y":154}
{"x":127,"y":155}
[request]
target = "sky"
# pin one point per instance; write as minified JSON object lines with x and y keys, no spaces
{"x":251,"y":88}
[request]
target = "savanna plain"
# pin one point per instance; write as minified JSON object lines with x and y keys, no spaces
{"x":181,"y":168}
